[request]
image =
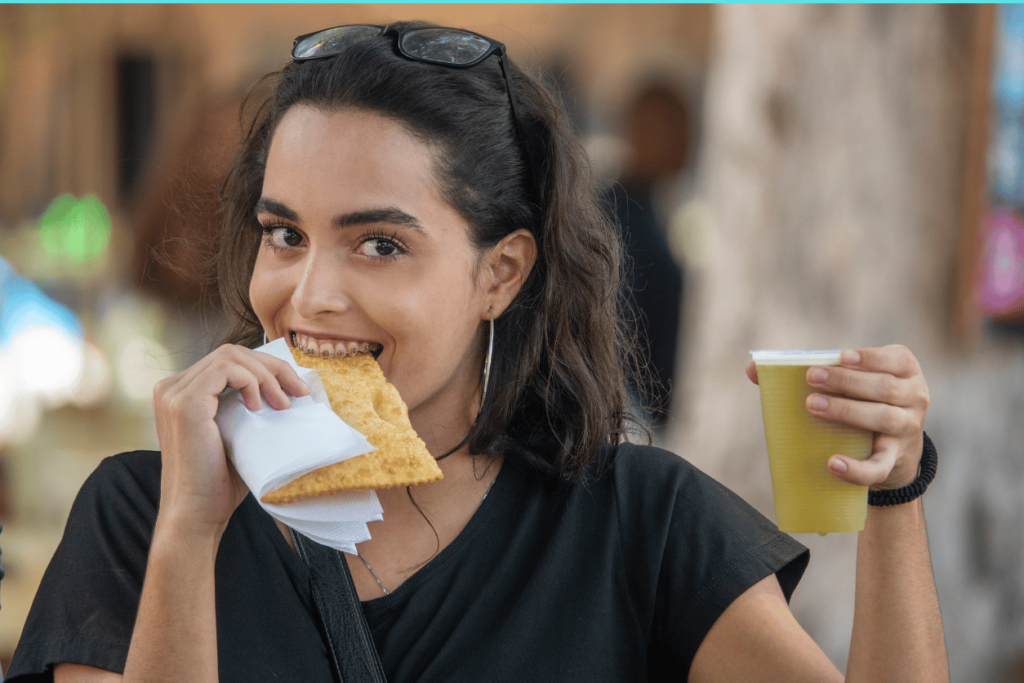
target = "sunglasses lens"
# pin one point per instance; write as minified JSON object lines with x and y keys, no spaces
{"x":445,"y":46}
{"x":331,"y":41}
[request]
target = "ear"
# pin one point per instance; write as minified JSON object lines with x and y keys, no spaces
{"x":506,"y":267}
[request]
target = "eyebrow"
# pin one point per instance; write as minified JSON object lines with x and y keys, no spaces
{"x":389,"y":214}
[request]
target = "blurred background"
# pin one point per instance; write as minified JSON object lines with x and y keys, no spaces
{"x":787,"y":177}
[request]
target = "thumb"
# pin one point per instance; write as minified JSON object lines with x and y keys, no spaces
{"x":874,"y":470}
{"x":752,"y":372}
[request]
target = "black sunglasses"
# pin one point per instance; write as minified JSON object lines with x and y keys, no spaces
{"x":451,"y":47}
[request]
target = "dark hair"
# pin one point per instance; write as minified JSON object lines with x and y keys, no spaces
{"x":559,"y":374}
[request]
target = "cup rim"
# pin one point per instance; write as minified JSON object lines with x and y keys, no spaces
{"x":796,"y":356}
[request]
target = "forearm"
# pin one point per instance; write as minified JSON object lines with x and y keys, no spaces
{"x":897,"y":628}
{"x":175,"y":635}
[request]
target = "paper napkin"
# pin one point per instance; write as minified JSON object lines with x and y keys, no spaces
{"x":271,"y":448}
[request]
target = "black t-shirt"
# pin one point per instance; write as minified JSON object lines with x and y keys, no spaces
{"x":616,"y":580}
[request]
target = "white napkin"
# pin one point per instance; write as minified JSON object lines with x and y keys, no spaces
{"x":271,"y":448}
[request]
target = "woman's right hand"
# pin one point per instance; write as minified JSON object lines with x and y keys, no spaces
{"x":199,"y":488}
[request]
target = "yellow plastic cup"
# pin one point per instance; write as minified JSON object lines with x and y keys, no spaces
{"x":808,"y":497}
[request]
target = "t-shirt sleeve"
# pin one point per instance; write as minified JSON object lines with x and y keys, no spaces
{"x":706,"y":546}
{"x":84,"y":611}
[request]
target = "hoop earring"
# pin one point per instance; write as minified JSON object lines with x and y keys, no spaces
{"x":487,"y":361}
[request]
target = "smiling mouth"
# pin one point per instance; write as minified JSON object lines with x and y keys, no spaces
{"x":330,"y":348}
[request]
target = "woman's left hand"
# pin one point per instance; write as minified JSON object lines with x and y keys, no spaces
{"x":879,"y":390}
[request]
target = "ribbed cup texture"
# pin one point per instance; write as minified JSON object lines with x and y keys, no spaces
{"x":808,"y":498}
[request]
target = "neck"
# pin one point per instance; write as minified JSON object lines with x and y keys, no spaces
{"x":445,"y":419}
{"x":442,"y":422}
{"x":465,"y":476}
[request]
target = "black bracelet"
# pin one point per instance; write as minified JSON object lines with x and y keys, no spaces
{"x":915,"y":489}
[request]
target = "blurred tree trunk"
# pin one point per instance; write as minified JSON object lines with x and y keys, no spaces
{"x":832,"y":170}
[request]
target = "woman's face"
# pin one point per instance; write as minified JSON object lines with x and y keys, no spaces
{"x":360,"y":248}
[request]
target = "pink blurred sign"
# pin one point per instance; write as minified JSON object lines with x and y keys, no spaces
{"x":1002,"y":270}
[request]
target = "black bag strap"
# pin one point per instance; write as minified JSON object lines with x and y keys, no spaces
{"x":348,"y":635}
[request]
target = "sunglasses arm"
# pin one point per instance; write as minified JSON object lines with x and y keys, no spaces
{"x":511,"y":95}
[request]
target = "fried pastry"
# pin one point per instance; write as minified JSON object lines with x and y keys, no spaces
{"x":360,"y":395}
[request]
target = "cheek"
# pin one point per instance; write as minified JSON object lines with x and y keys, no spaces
{"x":431,"y":320}
{"x":440,"y":304}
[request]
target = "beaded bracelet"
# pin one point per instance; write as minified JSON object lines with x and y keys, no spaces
{"x":913,"y":490}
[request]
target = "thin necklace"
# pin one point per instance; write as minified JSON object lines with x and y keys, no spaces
{"x":377,"y":578}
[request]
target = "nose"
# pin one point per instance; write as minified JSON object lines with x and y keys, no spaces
{"x":320,"y":288}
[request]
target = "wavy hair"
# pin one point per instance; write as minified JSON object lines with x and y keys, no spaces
{"x":562,"y":355}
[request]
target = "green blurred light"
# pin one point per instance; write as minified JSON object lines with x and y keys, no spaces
{"x":76,"y":228}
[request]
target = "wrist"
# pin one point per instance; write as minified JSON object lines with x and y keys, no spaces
{"x":179,"y":534}
{"x":886,"y":524}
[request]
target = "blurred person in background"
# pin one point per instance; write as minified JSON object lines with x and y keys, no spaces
{"x":658,"y":140}
{"x":380,"y":198}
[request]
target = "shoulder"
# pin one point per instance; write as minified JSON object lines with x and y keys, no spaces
{"x":122,"y":487}
{"x":695,"y":519}
{"x":142,"y":466}
{"x":634,"y":460}
{"x":663,"y":501}
{"x":135,"y":473}
{"x":695,"y":544}
{"x":667,"y":486}
{"x":651,"y":474}
{"x":85,"y":607}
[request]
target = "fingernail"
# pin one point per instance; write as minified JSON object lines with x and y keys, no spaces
{"x":850,"y":357}
{"x":837,"y":465}
{"x":819,"y":403}
{"x":817,"y":375}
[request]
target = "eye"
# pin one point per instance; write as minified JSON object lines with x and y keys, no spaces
{"x":380,"y":247}
{"x":281,"y":237}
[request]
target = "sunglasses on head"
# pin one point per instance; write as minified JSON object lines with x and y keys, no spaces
{"x":451,"y":47}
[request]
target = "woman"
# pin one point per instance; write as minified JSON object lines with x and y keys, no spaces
{"x":382,"y":200}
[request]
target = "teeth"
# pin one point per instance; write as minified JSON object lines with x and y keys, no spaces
{"x":327,"y":348}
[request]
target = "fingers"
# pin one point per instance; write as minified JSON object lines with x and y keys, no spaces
{"x":284,"y":373}
{"x":867,"y":415}
{"x":275,"y":378}
{"x":752,"y":372}
{"x":870,"y":472}
{"x":249,"y":382}
{"x":877,"y":390}
{"x":199,"y":485}
{"x":883,"y":392}
{"x":251,"y":372}
{"x":870,"y":386}
{"x":894,"y":359}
